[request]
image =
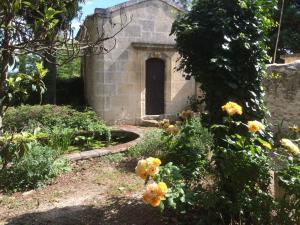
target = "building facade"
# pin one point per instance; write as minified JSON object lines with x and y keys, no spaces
{"x":137,"y":78}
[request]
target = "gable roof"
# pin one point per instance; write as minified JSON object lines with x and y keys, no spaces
{"x":135,"y":2}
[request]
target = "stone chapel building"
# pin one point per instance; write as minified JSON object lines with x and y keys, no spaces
{"x":137,"y":80}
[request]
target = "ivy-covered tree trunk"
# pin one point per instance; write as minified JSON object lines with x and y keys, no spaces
{"x":223,"y":45}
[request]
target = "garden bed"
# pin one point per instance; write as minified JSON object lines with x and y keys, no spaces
{"x":34,"y":134}
{"x":99,"y":141}
{"x":126,"y":137}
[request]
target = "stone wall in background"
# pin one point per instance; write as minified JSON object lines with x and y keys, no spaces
{"x":283,"y":93}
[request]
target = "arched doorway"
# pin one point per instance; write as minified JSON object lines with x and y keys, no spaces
{"x":155,"y":86}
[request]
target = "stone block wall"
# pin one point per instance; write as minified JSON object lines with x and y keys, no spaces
{"x":283,"y":93}
{"x":283,"y":99}
{"x":115,"y":82}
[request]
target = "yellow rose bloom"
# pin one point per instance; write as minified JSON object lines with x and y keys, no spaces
{"x":291,"y":147}
{"x":164,"y":124}
{"x":163,"y":188}
{"x":255,"y":126}
{"x":232,"y":108}
{"x":172,"y":130}
{"x":186,"y":114}
{"x":154,"y":161}
{"x":155,"y":193}
{"x":148,"y":167}
{"x":151,"y":195}
{"x":141,"y":169}
{"x":153,"y":164}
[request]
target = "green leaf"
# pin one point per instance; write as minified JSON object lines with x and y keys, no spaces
{"x":171,"y":203}
{"x":265,"y":143}
{"x":161,"y":206}
{"x":41,"y":70}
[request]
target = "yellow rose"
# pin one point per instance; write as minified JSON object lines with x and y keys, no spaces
{"x":152,"y":166}
{"x":232,"y":108}
{"x":164,"y":124}
{"x":291,"y":147}
{"x":148,"y":167}
{"x":172,"y":130}
{"x":141,"y":169}
{"x":155,"y":193}
{"x":154,"y":161}
{"x":163,"y":188}
{"x":255,"y":126}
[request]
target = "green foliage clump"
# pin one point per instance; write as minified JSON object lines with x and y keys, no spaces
{"x":60,"y":139}
{"x":223,"y":45}
{"x":70,"y":70}
{"x":229,"y":182}
{"x":288,"y":206}
{"x":189,"y":150}
{"x":47,"y":117}
{"x":38,"y":165}
{"x":150,"y":145}
{"x":14,"y":146}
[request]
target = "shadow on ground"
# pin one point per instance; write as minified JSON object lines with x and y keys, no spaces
{"x":127,"y":165}
{"x":118,"y":211}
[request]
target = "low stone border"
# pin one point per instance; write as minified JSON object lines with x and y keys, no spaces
{"x":109,"y":150}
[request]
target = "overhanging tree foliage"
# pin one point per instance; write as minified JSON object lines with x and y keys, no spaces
{"x":223,"y":45}
{"x":67,"y":11}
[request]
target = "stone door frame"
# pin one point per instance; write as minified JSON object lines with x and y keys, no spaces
{"x":164,"y":52}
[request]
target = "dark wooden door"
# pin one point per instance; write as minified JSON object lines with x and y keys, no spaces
{"x":155,"y":86}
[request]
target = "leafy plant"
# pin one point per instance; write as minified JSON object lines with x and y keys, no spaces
{"x":60,"y":139}
{"x":14,"y":146}
{"x":228,"y":182}
{"x":286,"y":166}
{"x":223,"y":45}
{"x":38,"y":166}
{"x":47,"y":117}
{"x":190,"y":149}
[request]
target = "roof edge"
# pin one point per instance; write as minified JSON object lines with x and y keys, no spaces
{"x":135,"y":2}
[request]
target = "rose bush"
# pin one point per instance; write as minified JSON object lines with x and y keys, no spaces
{"x":225,"y":179}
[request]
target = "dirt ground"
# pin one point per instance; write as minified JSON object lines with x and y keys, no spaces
{"x":101,"y":191}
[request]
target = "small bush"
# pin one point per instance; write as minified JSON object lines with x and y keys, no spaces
{"x":61,"y":139}
{"x":28,"y":118}
{"x":225,"y":178}
{"x":38,"y":166}
{"x":190,"y":148}
{"x":150,"y":145}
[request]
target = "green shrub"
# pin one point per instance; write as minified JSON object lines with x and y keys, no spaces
{"x":150,"y":145}
{"x":60,"y":139}
{"x":227,"y":182}
{"x":190,"y":149}
{"x":46,"y":117}
{"x":287,"y":176}
{"x":38,"y":166}
{"x":14,"y":146}
{"x":223,"y":45}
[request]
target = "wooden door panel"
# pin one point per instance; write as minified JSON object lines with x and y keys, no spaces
{"x":155,"y":85}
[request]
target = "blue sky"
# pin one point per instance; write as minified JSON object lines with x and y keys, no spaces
{"x":89,"y":7}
